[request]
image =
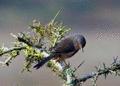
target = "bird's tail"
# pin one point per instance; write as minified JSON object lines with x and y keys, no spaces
{"x":41,"y":63}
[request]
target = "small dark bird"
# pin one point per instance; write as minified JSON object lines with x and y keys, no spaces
{"x":65,"y":49}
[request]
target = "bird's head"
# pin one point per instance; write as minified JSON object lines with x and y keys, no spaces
{"x":81,"y":39}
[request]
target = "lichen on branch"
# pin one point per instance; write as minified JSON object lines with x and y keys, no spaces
{"x":41,"y":38}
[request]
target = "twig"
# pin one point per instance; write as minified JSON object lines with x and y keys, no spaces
{"x":52,"y":21}
{"x":79,"y":66}
{"x":12,"y":49}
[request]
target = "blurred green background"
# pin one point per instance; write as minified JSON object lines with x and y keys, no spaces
{"x":97,"y":20}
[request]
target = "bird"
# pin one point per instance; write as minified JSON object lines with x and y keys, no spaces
{"x":64,"y":49}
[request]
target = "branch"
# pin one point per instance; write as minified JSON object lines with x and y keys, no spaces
{"x":113,"y":69}
{"x":9,"y":51}
{"x":12,"y":49}
{"x":29,"y":43}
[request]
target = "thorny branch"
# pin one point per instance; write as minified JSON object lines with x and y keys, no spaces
{"x":113,"y":69}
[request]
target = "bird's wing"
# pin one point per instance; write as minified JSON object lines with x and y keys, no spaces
{"x":65,"y":46}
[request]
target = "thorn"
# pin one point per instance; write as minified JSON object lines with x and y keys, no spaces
{"x":79,"y":66}
{"x":52,"y":21}
{"x":13,"y":35}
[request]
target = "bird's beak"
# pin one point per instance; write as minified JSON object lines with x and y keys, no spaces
{"x":82,"y":50}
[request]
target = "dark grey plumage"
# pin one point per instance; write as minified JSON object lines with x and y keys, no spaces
{"x":66,"y":48}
